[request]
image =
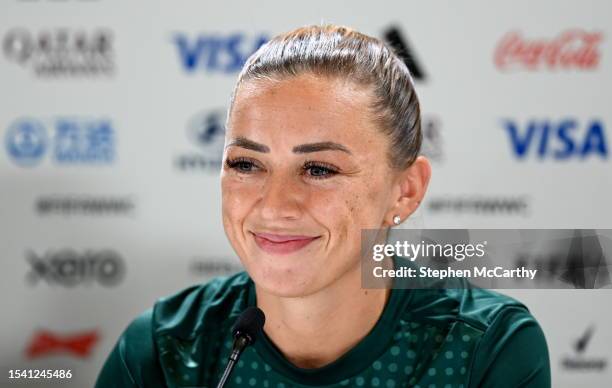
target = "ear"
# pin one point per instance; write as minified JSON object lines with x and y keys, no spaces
{"x":409,"y":189}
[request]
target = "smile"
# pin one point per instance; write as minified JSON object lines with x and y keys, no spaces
{"x":279,"y":244}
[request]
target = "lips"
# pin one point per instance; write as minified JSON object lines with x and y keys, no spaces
{"x":282,"y":244}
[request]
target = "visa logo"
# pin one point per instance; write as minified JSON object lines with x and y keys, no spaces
{"x":559,"y":140}
{"x":216,"y":53}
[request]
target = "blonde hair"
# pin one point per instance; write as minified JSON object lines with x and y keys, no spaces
{"x":339,"y":51}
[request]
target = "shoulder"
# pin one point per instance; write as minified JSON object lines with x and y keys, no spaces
{"x":189,"y":325}
{"x":186,"y":313}
{"x":484,"y":309}
{"x":132,"y":361}
{"x":488,"y":315}
{"x":453,"y":299}
{"x":137,"y":357}
{"x":492,"y":329}
{"x":486,"y":312}
{"x":513,"y":350}
{"x":505,"y":343}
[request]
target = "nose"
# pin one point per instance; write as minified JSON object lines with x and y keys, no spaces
{"x":280,"y":199}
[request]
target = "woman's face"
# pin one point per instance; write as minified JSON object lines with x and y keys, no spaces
{"x":304,"y":171}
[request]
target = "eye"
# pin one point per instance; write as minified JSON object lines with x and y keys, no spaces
{"x":314,"y":170}
{"x":320,"y":170}
{"x":242,"y":165}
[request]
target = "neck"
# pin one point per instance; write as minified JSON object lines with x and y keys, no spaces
{"x":315,"y":330}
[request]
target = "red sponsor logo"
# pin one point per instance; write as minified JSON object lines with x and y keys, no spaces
{"x":46,"y":342}
{"x":572,"y":49}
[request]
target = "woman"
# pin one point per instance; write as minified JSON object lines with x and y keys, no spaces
{"x":322,"y":141}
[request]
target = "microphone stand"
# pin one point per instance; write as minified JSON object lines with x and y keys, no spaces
{"x":240,"y":343}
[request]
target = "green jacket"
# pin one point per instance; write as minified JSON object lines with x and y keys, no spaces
{"x":462,"y":337}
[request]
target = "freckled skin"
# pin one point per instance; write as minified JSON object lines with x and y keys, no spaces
{"x":280,"y":194}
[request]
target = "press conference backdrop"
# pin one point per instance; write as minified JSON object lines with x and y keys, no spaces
{"x":111,"y":116}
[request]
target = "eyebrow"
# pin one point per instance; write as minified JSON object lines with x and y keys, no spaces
{"x":300,"y":149}
{"x":248,"y":144}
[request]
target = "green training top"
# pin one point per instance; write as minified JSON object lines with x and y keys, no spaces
{"x":462,"y":337}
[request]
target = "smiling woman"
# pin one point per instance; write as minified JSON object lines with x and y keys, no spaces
{"x":300,"y":161}
{"x":322,"y":140}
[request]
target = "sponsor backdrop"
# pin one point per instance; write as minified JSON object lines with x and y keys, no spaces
{"x":111,"y":124}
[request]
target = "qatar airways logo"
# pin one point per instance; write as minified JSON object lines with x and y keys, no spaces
{"x":61,"y":52}
{"x":573,"y":49}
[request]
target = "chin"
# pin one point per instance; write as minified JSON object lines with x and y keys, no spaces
{"x":284,"y":291}
{"x":286,"y":283}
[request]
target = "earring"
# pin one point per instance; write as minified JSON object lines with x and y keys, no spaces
{"x":397,"y":220}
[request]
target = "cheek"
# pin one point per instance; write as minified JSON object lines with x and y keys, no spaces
{"x":235,"y":199}
{"x":363,"y":208}
{"x":348,"y":211}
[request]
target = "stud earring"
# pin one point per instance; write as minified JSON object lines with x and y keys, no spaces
{"x":397,"y":220}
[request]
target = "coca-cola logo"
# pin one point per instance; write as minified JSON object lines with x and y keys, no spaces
{"x":570,"y":50}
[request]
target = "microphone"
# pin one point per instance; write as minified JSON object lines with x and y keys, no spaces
{"x":248,"y":325}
